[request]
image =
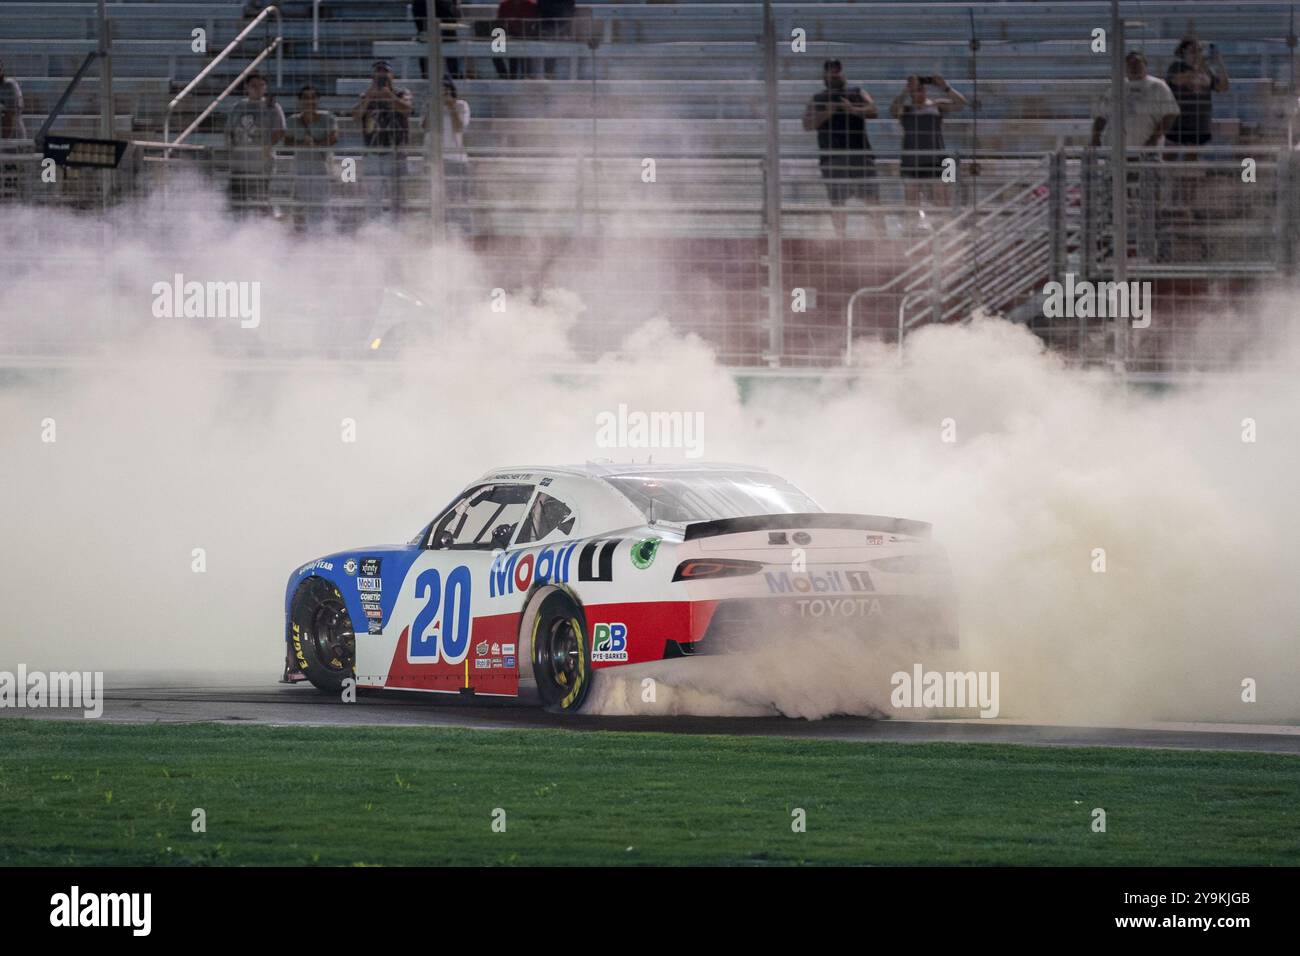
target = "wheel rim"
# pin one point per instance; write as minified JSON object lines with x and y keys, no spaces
{"x":330,"y":631}
{"x":564,"y":653}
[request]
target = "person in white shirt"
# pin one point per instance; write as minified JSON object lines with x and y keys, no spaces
{"x":1149,"y":108}
{"x":455,"y":161}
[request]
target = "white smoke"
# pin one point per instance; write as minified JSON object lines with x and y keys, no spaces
{"x":167,"y":443}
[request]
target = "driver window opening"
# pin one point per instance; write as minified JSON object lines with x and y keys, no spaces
{"x":484,"y":519}
{"x":546,"y":515}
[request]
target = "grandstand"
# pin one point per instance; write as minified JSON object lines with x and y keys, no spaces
{"x":557,"y":195}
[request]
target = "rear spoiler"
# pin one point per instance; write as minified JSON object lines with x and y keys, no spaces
{"x":710,"y":529}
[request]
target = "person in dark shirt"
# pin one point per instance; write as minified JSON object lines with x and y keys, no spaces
{"x":921,"y":117}
{"x":519,"y":19}
{"x":1193,"y":80}
{"x":555,"y":22}
{"x":449,"y":12}
{"x":384,"y":112}
{"x":839,"y":114}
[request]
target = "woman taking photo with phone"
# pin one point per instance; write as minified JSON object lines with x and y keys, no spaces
{"x":921,"y":117}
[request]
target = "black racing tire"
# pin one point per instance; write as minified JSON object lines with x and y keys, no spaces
{"x":322,"y":643}
{"x":561,"y":654}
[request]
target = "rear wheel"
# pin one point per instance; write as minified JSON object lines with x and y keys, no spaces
{"x":321,"y":639}
{"x":561,"y":654}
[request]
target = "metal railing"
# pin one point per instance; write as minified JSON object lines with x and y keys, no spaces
{"x":984,"y":257}
{"x":275,"y":46}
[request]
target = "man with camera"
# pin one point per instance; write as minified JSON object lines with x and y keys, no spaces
{"x":839,"y":114}
{"x":384,"y":112}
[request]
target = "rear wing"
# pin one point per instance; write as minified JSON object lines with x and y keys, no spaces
{"x":710,"y":529}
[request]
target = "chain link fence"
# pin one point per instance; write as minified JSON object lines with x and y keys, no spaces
{"x":628,"y":153}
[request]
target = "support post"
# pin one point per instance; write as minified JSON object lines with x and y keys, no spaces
{"x":772,"y":196}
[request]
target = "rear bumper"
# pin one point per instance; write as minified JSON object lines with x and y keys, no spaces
{"x":742,"y":624}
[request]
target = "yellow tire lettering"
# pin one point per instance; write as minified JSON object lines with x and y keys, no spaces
{"x":582,"y":666}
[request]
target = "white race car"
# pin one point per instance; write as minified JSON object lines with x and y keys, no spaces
{"x":535,"y":580}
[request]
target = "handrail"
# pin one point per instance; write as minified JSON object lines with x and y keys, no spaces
{"x":275,"y":45}
{"x":315,"y":26}
{"x":1008,"y":196}
{"x":57,"y":110}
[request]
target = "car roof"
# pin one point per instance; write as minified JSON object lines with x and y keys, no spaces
{"x":601,"y":469}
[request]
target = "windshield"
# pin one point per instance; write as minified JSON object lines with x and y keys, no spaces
{"x":683,"y":497}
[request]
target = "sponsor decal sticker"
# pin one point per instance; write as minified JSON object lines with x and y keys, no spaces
{"x":369,"y":584}
{"x":839,"y":607}
{"x":350,"y":566}
{"x":482,"y":664}
{"x":516,"y":571}
{"x":481,"y":649}
{"x":875,"y":539}
{"x":609,"y":642}
{"x":507,"y":648}
{"x":828,"y":582}
{"x":644,"y":551}
{"x":509,"y":661}
{"x":370,"y":567}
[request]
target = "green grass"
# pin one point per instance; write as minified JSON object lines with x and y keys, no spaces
{"x":87,"y":793}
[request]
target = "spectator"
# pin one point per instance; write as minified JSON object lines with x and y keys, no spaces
{"x":253,"y":127}
{"x":1149,"y":108}
{"x":449,"y":12}
{"x":384,"y":112}
{"x":839,"y":114}
{"x":455,"y":161}
{"x":922,"y":120}
{"x":1193,"y":83}
{"x":311,"y":132}
{"x":11,"y":107}
{"x":519,"y":19}
{"x":555,"y":22}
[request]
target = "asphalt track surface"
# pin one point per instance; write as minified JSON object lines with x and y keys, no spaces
{"x":151,"y":698}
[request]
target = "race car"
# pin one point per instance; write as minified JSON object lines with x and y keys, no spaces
{"x":533,"y":581}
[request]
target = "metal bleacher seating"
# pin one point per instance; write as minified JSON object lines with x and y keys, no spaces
{"x":684,"y":71}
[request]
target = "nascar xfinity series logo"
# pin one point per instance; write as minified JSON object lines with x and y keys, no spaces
{"x":608,"y":643}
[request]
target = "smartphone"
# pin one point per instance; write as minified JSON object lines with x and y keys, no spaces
{"x":925,"y":80}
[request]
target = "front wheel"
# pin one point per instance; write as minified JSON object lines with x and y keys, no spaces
{"x":321,"y":640}
{"x":561,"y":654}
